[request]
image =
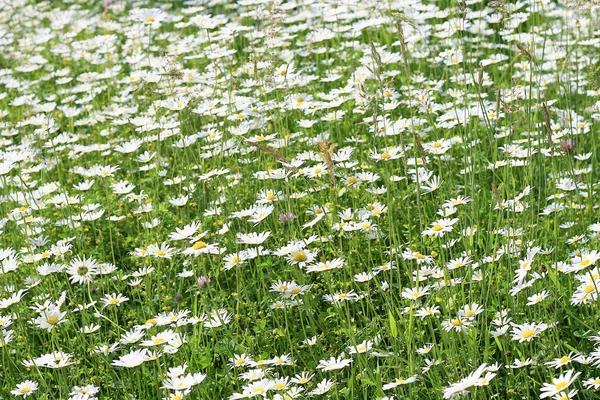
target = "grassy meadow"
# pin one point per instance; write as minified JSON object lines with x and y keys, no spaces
{"x":300,"y":199}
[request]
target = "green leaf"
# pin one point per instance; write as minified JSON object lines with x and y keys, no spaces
{"x":393,"y":327}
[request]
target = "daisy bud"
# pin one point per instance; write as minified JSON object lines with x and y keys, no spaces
{"x":203,"y":281}
{"x":286,"y":217}
{"x":567,"y":145}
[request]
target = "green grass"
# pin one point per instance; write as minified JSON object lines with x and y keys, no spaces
{"x":430,"y":219}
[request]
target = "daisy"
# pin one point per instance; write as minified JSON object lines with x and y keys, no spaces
{"x":90,"y":328}
{"x":592,"y":383}
{"x":303,"y":378}
{"x":440,"y":227}
{"x":322,"y":387}
{"x":82,"y":269}
{"x":413,"y":294}
{"x":133,"y":359}
{"x":299,"y":256}
{"x":526,"y":332}
{"x":201,"y":247}
{"x":363,"y":347}
{"x":151,"y":16}
{"x":25,"y":388}
{"x":252,"y":238}
{"x":562,"y":361}
{"x":457,"y":324}
{"x":520,"y":364}
{"x":161,"y":338}
{"x":162,"y":251}
{"x":334,"y":363}
{"x":232,"y":260}
{"x":50,"y":318}
{"x":428,"y":311}
{"x":558,"y":384}
{"x":239,"y":360}
{"x":537,"y":297}
{"x":465,"y":383}
{"x":399,"y":381}
{"x":336,"y":263}
{"x":259,"y":388}
{"x":458,"y":263}
{"x":114,"y":299}
{"x":470,"y":311}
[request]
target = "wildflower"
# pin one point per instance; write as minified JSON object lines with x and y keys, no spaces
{"x":82,"y":269}
{"x":558,"y":384}
{"x":334,"y":363}
{"x":25,"y":388}
{"x":152,"y":16}
{"x":114,"y":299}
{"x":562,"y":361}
{"x":203,"y":281}
{"x":286,"y":217}
{"x":322,"y":387}
{"x":133,"y":359}
{"x":363,"y":347}
{"x":440,"y":228}
{"x":50,"y":318}
{"x":399,"y":381}
{"x":527,"y":331}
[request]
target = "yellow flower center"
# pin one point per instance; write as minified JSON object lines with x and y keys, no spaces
{"x":528,"y":333}
{"x":150,"y":19}
{"x":564,"y":359}
{"x":25,"y":390}
{"x":53,"y":320}
{"x":295,"y":291}
{"x":300,"y":256}
{"x":199,"y":245}
{"x":585,"y":263}
{"x":456,"y":322}
{"x":437,"y":227}
{"x":160,"y":253}
{"x":151,"y":321}
{"x":561,"y":385}
{"x":589,"y":289}
{"x":386,"y":156}
{"x":114,"y":300}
